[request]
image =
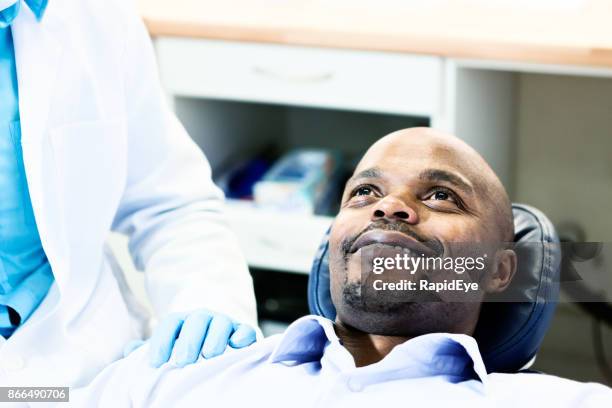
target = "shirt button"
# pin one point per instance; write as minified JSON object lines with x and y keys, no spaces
{"x":354,"y":385}
{"x":13,"y":362}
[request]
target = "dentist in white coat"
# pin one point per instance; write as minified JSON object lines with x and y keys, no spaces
{"x":88,"y":146}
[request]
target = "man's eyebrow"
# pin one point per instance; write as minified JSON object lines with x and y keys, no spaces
{"x":373,"y":172}
{"x":444,"y":175}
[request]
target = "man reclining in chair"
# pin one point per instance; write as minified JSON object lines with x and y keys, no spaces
{"x":416,"y":190}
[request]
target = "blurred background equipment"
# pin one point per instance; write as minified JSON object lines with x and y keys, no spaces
{"x":302,"y":180}
{"x":237,"y":182}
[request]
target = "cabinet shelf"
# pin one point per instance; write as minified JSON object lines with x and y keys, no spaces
{"x":276,"y":240}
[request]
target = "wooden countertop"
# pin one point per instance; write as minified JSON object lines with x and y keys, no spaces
{"x":568,"y":32}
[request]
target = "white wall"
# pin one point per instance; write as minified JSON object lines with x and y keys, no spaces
{"x":564,"y":151}
{"x":564,"y":167}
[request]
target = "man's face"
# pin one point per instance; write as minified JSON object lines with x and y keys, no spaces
{"x":422,"y":192}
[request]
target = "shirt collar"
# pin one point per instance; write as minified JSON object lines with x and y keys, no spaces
{"x":38,"y":7}
{"x":9,"y":9}
{"x":305,"y":340}
{"x":454,"y":355}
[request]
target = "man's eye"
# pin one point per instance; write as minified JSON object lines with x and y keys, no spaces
{"x":365,"y":190}
{"x":441,"y":195}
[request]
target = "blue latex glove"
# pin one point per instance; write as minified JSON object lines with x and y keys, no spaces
{"x":187,"y":335}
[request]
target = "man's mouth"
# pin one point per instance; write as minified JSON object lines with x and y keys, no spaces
{"x":391,"y":238}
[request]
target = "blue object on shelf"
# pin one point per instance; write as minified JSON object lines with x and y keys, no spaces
{"x":298,"y":181}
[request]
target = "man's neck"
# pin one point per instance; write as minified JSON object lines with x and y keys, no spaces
{"x":366,"y":348}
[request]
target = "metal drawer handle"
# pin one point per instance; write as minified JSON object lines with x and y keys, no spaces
{"x":293,"y":76}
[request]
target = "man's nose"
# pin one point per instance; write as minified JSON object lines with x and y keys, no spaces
{"x":393,"y":209}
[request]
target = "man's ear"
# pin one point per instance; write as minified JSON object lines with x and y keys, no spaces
{"x":506,"y":264}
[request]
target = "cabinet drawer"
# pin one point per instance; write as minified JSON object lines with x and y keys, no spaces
{"x":320,"y":77}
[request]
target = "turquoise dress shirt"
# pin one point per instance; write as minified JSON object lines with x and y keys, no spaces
{"x":25,"y":273}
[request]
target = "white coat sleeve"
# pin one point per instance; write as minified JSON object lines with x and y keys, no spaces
{"x":170,"y":209}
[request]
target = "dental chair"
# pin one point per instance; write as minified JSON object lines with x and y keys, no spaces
{"x":508,"y":333}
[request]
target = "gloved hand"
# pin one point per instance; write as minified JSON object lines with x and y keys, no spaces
{"x":186,"y":335}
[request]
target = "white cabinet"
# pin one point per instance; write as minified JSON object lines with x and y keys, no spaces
{"x":329,"y":78}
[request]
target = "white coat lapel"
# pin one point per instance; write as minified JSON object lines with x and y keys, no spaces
{"x":37,"y":52}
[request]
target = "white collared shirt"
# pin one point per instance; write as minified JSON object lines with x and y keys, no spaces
{"x":307,"y":366}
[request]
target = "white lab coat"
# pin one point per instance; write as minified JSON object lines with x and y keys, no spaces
{"x":103,"y":151}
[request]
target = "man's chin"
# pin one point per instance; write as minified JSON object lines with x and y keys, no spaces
{"x":387,"y":319}
{"x":363,"y":297}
